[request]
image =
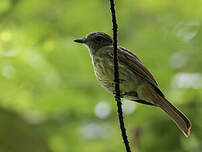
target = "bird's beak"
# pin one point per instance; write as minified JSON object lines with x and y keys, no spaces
{"x":81,"y":40}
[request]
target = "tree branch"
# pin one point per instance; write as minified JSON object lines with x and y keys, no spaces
{"x":116,"y":78}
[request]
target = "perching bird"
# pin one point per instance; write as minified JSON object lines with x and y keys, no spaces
{"x":136,"y":82}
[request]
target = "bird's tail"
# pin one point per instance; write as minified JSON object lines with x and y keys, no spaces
{"x":176,"y":115}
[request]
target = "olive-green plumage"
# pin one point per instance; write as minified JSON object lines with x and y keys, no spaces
{"x":136,"y":82}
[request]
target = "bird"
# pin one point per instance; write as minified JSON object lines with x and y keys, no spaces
{"x":136,"y":82}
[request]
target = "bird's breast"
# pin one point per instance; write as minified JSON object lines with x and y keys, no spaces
{"x":104,"y":71}
{"x":103,"y":68}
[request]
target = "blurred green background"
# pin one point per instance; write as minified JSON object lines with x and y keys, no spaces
{"x":49,"y":97}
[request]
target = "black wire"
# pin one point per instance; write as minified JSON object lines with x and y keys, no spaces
{"x":116,"y":78}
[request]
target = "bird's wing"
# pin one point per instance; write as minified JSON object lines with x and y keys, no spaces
{"x":133,"y":62}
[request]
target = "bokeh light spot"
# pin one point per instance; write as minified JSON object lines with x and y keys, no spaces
{"x":178,"y":60}
{"x":6,"y":35}
{"x":187,"y":80}
{"x":8,"y":71}
{"x":102,"y":109}
{"x":128,"y":107}
{"x":96,"y":130}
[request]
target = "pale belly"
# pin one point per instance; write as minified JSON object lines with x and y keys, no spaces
{"x":129,"y":81}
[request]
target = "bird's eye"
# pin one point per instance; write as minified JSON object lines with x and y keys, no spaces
{"x":99,"y":38}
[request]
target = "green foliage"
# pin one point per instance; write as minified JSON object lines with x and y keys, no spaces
{"x":48,"y":80}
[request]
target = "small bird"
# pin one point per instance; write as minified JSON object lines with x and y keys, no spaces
{"x":136,"y":82}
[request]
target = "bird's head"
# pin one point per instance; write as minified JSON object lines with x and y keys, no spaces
{"x":95,"y":40}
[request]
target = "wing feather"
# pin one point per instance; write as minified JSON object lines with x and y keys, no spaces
{"x":133,"y":62}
